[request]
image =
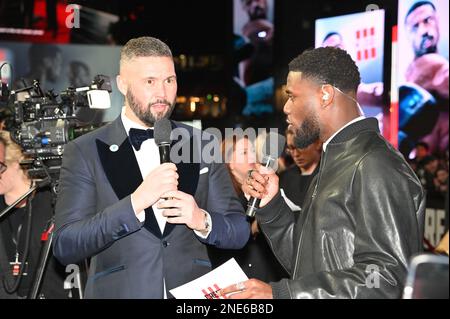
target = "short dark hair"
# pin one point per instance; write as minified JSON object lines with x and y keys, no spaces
{"x":329,"y":35}
{"x":424,"y":145}
{"x":427,"y":160}
{"x":144,"y":47}
{"x":418,"y":5}
{"x":328,"y":66}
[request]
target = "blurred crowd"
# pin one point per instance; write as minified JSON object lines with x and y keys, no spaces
{"x":432,"y":170}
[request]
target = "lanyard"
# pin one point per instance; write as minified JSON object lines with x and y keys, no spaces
{"x":15,"y":265}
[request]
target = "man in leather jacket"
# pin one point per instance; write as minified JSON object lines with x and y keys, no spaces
{"x":363,"y":213}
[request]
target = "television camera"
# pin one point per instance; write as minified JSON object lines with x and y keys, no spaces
{"x":43,"y":123}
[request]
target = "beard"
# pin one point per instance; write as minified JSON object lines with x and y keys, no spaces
{"x":307,"y":133}
{"x":144,"y":113}
{"x":258,"y":13}
{"x":424,"y":49}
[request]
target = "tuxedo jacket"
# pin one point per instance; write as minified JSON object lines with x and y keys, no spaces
{"x":129,"y":259}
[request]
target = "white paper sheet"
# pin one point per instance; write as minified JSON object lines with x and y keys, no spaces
{"x":206,"y":287}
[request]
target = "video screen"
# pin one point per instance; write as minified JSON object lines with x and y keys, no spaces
{"x":362,"y":36}
{"x":423,"y":75}
{"x":58,"y":67}
{"x":253,"y":56}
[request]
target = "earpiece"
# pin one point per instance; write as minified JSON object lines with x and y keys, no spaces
{"x":326,"y":96}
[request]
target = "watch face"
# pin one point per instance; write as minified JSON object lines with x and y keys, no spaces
{"x":207,"y":223}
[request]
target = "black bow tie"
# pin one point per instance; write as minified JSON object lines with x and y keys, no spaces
{"x":137,"y":137}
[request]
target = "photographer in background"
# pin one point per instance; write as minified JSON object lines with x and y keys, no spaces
{"x":14,"y":182}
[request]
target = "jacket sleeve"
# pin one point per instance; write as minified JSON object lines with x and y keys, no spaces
{"x":81,"y":231}
{"x":387,"y":199}
{"x":277,"y":223}
{"x":230,"y":229}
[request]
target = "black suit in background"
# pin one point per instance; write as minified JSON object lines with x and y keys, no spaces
{"x":53,"y":281}
{"x":295,"y":185}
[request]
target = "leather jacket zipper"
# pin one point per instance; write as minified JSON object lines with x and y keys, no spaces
{"x":319,"y":174}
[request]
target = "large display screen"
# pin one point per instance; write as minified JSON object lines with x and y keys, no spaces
{"x":362,"y":36}
{"x":59,"y":66}
{"x":423,"y":75}
{"x":253,"y":56}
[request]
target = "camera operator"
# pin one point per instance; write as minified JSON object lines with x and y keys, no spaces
{"x":14,"y":182}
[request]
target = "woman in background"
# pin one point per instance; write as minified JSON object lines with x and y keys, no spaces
{"x":256,"y":258}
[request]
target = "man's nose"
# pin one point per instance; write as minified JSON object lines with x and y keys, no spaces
{"x":161,"y":90}
{"x":424,"y":29}
{"x":287,"y":108}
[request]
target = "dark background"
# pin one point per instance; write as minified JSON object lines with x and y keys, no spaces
{"x":200,"y":28}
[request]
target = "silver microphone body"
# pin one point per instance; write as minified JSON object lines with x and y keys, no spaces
{"x":253,"y":203}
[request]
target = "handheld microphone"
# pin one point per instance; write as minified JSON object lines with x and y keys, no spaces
{"x":163,"y":128}
{"x":272,"y":148}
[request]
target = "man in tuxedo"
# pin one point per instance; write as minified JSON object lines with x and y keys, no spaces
{"x":110,"y":206}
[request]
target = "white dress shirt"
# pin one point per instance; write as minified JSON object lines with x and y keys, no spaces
{"x":148,"y":159}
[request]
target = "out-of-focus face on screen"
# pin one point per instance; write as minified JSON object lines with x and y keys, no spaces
{"x":253,"y":49}
{"x":422,"y":75}
{"x":256,"y":9}
{"x":422,"y":26}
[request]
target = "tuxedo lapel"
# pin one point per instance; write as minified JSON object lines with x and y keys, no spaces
{"x":122,"y":170}
{"x":123,"y":173}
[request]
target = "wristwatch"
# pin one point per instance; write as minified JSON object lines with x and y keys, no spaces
{"x":207,"y":222}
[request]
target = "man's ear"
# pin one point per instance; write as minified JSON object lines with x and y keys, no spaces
{"x":122,"y":85}
{"x":327,"y":95}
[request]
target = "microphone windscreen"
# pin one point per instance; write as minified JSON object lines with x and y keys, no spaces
{"x":163,"y":128}
{"x":273,"y":145}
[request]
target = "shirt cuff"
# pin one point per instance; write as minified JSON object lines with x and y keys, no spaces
{"x":141,"y":215}
{"x":205,"y":235}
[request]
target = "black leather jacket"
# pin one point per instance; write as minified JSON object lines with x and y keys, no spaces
{"x":359,"y":225}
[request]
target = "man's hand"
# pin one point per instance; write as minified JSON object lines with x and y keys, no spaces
{"x":161,"y":180}
{"x":370,"y":93}
{"x":430,"y":71}
{"x":181,"y":208}
{"x":250,"y":289}
{"x":253,"y":29}
{"x":261,"y":184}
